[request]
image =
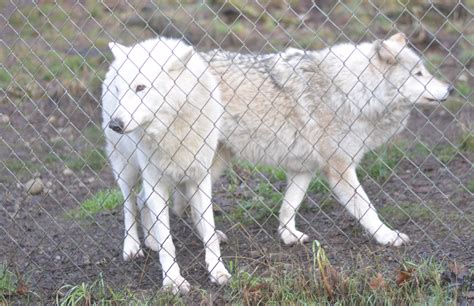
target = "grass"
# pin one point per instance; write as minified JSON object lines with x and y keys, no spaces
{"x":467,"y":142}
{"x":20,"y":167}
{"x":5,"y":77}
{"x":379,"y":164}
{"x":94,"y":134}
{"x":316,"y":282}
{"x":470,"y":186}
{"x":95,"y":159}
{"x":11,"y":285}
{"x":99,"y":293}
{"x":445,"y":153}
{"x":454,"y":105}
{"x":272,"y":173}
{"x":104,"y":200}
{"x":264,"y":205}
{"x":95,"y":293}
{"x":415,"y":282}
{"x":405,"y":211}
{"x":8,"y":283}
{"x":464,"y":89}
{"x":319,"y":185}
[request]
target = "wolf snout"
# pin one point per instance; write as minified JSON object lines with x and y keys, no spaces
{"x":117,"y":125}
{"x":450,"y":89}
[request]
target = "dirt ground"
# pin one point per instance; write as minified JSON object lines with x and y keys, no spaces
{"x":427,"y":195}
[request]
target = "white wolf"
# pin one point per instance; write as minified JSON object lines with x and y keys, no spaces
{"x":160,"y":109}
{"x":308,"y":110}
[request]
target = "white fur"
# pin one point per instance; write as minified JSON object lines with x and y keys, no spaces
{"x":169,"y":104}
{"x":307,"y":110}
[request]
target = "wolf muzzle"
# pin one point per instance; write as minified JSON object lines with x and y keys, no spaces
{"x":116,"y":125}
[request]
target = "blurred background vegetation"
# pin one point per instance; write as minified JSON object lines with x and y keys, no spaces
{"x":49,"y":48}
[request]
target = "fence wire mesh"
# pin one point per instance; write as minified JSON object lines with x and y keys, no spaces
{"x":297,"y":121}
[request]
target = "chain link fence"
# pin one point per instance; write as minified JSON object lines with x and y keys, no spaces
{"x":62,"y":221}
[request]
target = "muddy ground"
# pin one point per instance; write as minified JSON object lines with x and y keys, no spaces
{"x":428,"y":193}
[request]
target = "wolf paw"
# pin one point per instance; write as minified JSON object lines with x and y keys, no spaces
{"x":221,"y":236}
{"x":131,"y":249}
{"x":151,"y":243}
{"x":293,"y":237}
{"x":176,"y":285}
{"x":220,"y":276}
{"x":392,"y":238}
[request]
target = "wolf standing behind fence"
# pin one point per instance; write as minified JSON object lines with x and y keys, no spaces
{"x":307,"y":110}
{"x":160,"y":108}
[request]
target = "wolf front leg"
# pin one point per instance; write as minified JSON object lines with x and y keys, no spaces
{"x":127,"y":176}
{"x":147,"y":223}
{"x":294,"y":195}
{"x":351,"y":195}
{"x":203,"y":218}
{"x":156,"y":193}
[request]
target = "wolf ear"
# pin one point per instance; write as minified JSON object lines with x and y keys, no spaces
{"x":118,"y":50}
{"x":387,"y":50}
{"x":180,"y":61}
{"x":384,"y":53}
{"x":399,"y":38}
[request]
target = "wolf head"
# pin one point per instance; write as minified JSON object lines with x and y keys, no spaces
{"x":403,"y":69}
{"x":144,"y":80}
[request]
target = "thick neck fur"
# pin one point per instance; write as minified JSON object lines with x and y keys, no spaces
{"x":354,"y":75}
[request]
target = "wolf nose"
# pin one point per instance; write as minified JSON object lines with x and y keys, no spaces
{"x":116,"y":125}
{"x":450,"y":89}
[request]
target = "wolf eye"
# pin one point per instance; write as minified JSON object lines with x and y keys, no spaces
{"x":140,"y":88}
{"x":419,"y":73}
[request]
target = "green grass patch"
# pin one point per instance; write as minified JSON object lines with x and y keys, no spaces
{"x":95,"y":159}
{"x":5,"y":77}
{"x":100,"y":293}
{"x":464,"y":89}
{"x":8,"y":283}
{"x":467,"y":142}
{"x":104,"y":200}
{"x":379,"y":164}
{"x":261,"y":207}
{"x":470,"y":186}
{"x":272,"y":173}
{"x":20,"y":167}
{"x":13,"y":287}
{"x":467,"y":54}
{"x":454,"y":105}
{"x":319,"y":185}
{"x":445,"y":153}
{"x":414,"y":283}
{"x":95,"y":135}
{"x":405,"y":211}
{"x":97,"y":293}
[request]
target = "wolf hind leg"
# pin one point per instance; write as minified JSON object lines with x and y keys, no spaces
{"x":222,"y":160}
{"x":294,"y":195}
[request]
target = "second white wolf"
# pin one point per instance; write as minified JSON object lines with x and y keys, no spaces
{"x":303,"y":111}
{"x":160,"y":108}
